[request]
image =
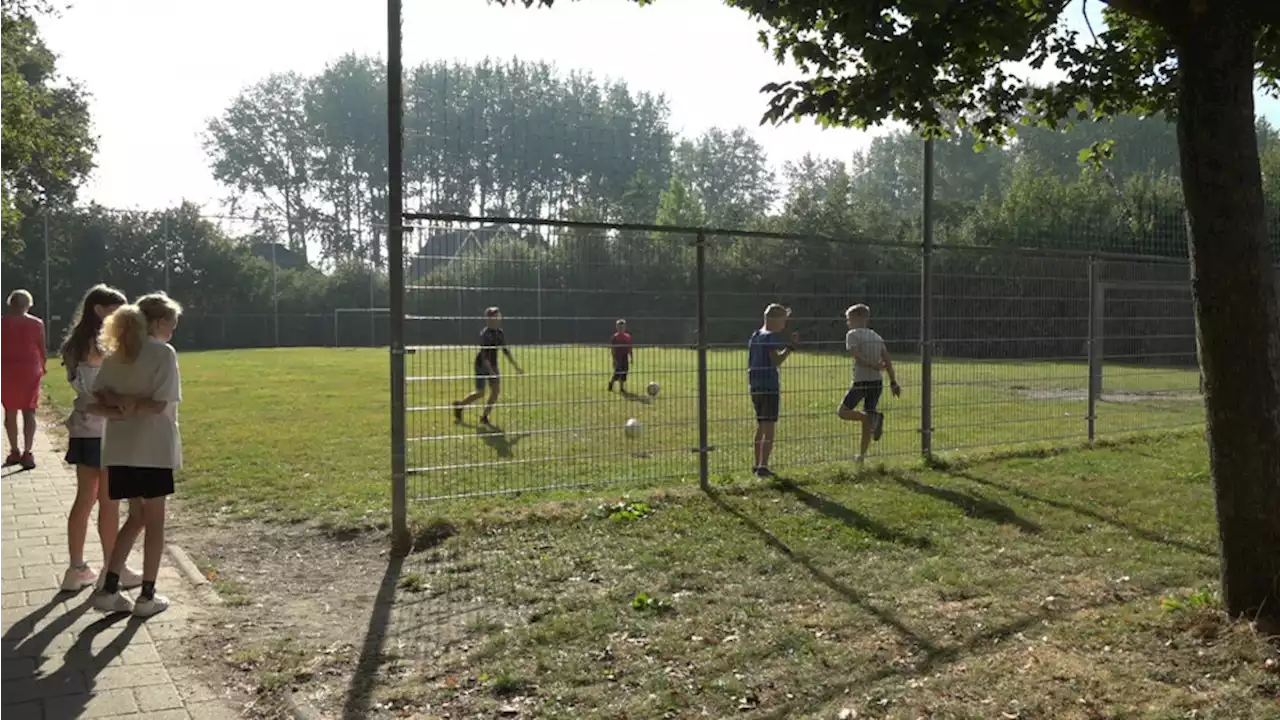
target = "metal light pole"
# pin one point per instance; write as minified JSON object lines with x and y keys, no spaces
{"x":395,"y":275}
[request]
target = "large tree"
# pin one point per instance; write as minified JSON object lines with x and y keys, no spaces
{"x":866,"y":61}
{"x":48,"y":147}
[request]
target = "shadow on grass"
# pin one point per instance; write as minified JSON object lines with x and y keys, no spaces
{"x":884,"y":615}
{"x":360,"y":691}
{"x":636,"y":397}
{"x":971,"y":505}
{"x":935,"y":658}
{"x":932,"y":655}
{"x":1145,"y":534}
{"x":498,"y":439}
{"x":851,"y":517}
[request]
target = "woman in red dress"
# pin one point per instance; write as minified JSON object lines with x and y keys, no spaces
{"x":22,"y":362}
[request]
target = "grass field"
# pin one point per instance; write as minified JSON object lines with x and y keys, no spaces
{"x":1069,"y":585}
{"x":1039,"y":584}
{"x":304,"y":433}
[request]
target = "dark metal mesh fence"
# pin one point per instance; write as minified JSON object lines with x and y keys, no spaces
{"x":1012,"y":338}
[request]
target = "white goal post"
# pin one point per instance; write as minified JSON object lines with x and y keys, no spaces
{"x":371,"y":313}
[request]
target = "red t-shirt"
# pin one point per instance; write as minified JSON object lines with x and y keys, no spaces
{"x":621,"y":344}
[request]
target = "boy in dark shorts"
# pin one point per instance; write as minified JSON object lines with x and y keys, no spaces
{"x":486,"y":366}
{"x":766,"y":351}
{"x":620,"y":349}
{"x":870,"y":357}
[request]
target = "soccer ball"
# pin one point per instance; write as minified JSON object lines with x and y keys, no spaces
{"x":632,"y":428}
{"x":653,"y":389}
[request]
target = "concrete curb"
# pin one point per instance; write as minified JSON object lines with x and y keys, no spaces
{"x":186,"y":566}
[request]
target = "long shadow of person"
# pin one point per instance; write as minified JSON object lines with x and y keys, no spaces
{"x":67,"y":689}
{"x":973,"y":506}
{"x":502,"y":443}
{"x":850,"y":517}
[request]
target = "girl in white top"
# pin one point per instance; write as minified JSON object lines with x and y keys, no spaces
{"x":82,"y":356}
{"x":138,"y":390}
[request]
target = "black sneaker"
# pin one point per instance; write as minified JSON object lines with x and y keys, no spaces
{"x":877,"y":426}
{"x":764,"y":472}
{"x":457,"y":413}
{"x":484,"y":420}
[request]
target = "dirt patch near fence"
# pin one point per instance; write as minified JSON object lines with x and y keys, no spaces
{"x":1120,"y":396}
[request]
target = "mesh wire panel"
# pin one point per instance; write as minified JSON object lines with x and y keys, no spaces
{"x":558,"y":419}
{"x":817,"y":280}
{"x":1016,"y":336}
{"x":1011,"y":334}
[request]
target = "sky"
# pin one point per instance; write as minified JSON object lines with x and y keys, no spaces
{"x":158,"y":70}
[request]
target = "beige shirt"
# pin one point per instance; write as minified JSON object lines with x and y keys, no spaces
{"x":870,"y":345}
{"x":144,"y":440}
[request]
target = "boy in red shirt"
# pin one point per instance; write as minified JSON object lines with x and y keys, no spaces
{"x":620,"y":348}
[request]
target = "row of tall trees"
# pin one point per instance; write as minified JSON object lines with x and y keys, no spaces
{"x":515,"y":138}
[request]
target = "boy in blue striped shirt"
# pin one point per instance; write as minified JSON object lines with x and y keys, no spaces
{"x":766,"y":351}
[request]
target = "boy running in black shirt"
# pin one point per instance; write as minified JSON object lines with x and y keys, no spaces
{"x":486,"y":366}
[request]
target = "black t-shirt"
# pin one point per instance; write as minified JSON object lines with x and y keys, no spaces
{"x":490,"y":340}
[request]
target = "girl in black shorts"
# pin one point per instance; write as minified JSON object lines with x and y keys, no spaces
{"x":138,"y":390}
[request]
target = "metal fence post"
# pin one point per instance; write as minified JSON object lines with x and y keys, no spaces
{"x":275,"y":297}
{"x":48,"y":302}
{"x":926,"y":307}
{"x":165,"y":240}
{"x":1096,"y":299}
{"x":704,"y":462}
{"x":400,"y":540}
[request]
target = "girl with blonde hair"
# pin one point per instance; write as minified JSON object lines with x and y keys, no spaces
{"x":138,"y":390}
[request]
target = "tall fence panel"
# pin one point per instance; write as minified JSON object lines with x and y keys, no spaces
{"x":561,"y":418}
{"x":1011,"y":344}
{"x":817,"y":280}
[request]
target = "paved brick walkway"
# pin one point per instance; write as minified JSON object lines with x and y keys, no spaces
{"x":62,"y":659}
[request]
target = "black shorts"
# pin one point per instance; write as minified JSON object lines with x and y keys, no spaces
{"x":767,"y":404}
{"x":485,"y":378}
{"x":84,"y":451}
{"x":867,"y":392}
{"x":620,"y":370}
{"x":125,"y":482}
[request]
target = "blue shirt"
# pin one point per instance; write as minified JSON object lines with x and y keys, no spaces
{"x":762,"y":374}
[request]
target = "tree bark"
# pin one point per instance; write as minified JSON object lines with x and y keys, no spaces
{"x":1237,"y":318}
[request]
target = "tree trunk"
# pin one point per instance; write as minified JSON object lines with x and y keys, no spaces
{"x":1237,"y":319}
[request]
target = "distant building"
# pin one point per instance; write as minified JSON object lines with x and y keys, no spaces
{"x":441,"y":247}
{"x":282,"y":256}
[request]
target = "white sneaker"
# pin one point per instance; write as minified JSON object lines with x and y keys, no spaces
{"x":112,"y":603}
{"x":129,"y":579}
{"x":154,"y":605}
{"x":77,"y":579}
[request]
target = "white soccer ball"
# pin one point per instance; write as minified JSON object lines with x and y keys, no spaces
{"x":632,"y":428}
{"x":653,"y":389}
